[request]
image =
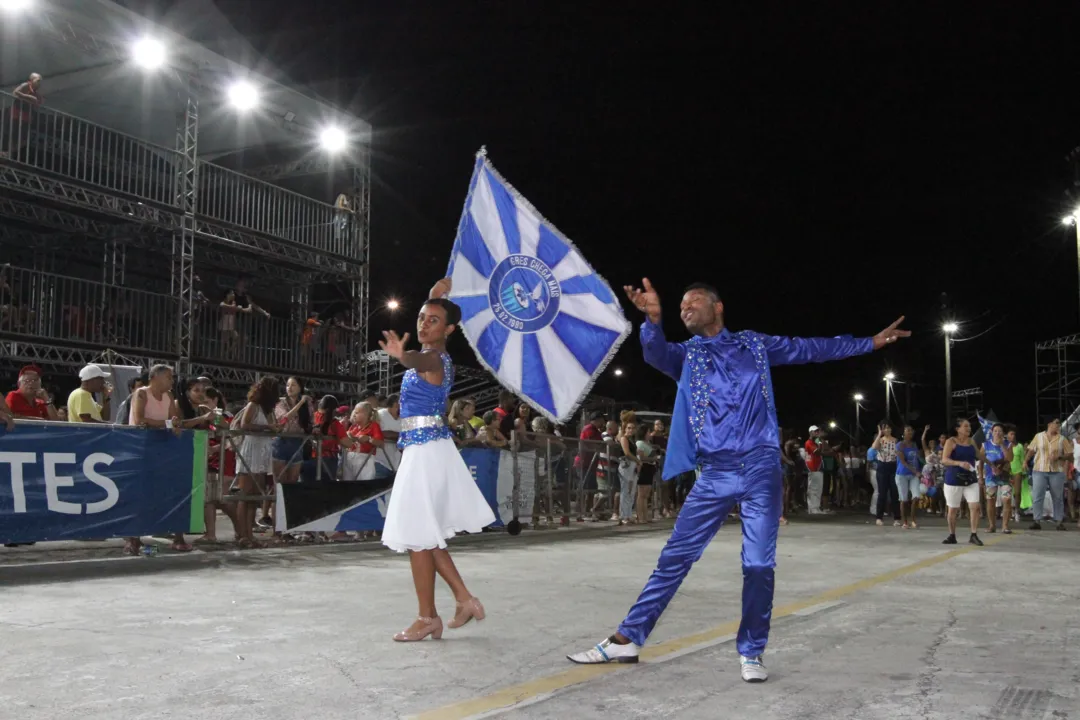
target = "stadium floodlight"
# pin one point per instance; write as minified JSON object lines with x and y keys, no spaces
{"x":148,"y":53}
{"x":950,"y":327}
{"x":618,"y":372}
{"x":858,"y":397}
{"x":333,"y":139}
{"x":243,"y":95}
{"x":1069,"y":220}
{"x":16,"y":6}
{"x":392,"y":305}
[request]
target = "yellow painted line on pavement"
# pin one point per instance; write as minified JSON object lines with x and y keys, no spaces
{"x":578,"y":674}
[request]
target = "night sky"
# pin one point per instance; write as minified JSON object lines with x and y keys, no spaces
{"x":828,"y":171}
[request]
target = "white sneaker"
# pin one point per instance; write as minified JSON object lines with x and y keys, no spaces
{"x":605,"y":652}
{"x":753,"y":669}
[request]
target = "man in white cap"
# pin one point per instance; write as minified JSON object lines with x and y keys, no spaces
{"x":815,"y":478}
{"x":81,"y":404}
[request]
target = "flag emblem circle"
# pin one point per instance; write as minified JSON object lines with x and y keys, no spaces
{"x":524,"y":294}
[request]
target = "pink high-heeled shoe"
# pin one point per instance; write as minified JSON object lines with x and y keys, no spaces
{"x":466,"y":611}
{"x":431,"y":626}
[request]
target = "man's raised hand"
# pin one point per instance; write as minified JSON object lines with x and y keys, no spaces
{"x":647,"y":301}
{"x":890,"y":334}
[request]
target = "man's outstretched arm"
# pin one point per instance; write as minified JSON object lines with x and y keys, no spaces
{"x":664,"y":356}
{"x":796,"y":351}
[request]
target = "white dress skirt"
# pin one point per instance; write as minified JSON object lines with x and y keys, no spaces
{"x":434,"y":498}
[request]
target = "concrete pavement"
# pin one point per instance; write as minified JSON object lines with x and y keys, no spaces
{"x":870,"y":623}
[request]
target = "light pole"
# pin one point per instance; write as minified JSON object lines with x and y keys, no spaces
{"x":857,"y":397}
{"x":1071,"y":220}
{"x":948,"y":328}
{"x":889,"y":377}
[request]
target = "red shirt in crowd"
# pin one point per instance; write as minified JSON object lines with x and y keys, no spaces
{"x":21,"y":407}
{"x":371,"y":429}
{"x":331,"y":443}
{"x":813,"y":456}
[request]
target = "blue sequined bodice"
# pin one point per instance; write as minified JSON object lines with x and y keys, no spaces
{"x":419,"y":398}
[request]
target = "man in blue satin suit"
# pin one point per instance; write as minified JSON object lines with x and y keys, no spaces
{"x":724,"y":426}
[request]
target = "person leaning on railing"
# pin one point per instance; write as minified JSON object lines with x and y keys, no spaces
{"x":155,"y":408}
{"x":81,"y":404}
{"x":31,"y":400}
{"x":333,"y":437}
{"x":368,"y":438}
{"x":490,"y":434}
{"x":461,"y":412}
{"x":7,"y":416}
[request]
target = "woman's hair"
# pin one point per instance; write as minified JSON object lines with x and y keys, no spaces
{"x":627,"y":416}
{"x":215,"y":394}
{"x":959,"y":421}
{"x":304,"y":416}
{"x":327,"y":405}
{"x":368,"y":408}
{"x":457,"y":411}
{"x":642,"y":432}
{"x":265,"y":393}
{"x":997,"y":425}
{"x":183,"y":387}
{"x":490,"y":417}
{"x":453,"y":312}
{"x":541,"y":424}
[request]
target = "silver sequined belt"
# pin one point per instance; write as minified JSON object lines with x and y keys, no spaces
{"x":421,"y":421}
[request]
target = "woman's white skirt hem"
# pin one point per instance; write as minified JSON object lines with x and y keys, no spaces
{"x":434,"y":498}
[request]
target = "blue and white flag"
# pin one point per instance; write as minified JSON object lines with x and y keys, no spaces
{"x":534,"y":311}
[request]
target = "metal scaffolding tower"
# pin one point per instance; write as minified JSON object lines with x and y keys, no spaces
{"x":1057,"y":378}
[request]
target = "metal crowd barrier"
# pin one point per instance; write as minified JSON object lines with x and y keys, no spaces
{"x":74,"y":148}
{"x":64,"y":145}
{"x":46,"y":305}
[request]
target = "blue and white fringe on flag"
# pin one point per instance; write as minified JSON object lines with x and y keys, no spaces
{"x":535,"y":312}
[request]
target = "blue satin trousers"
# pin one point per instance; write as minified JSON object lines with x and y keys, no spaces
{"x":755,"y":482}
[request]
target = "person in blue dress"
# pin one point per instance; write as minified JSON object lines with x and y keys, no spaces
{"x":434,"y":495}
{"x":908,"y":477}
{"x":996,"y":458}
{"x":724,"y":426}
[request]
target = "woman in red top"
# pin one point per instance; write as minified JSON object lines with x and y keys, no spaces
{"x":360,"y":462}
{"x":334,"y":438}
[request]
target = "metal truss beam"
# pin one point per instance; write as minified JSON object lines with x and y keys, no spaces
{"x":183,"y":256}
{"x":1058,"y":342}
{"x":967,"y":393}
{"x":309,"y":260}
{"x":306,"y":166}
{"x":22,"y":352}
{"x":50,"y":217}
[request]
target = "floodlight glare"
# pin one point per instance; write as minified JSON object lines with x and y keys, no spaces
{"x":243,"y":95}
{"x":148,"y":53}
{"x":890,"y":376}
{"x":392,"y":305}
{"x":618,"y":372}
{"x":1069,"y":220}
{"x":858,"y":397}
{"x":333,"y":139}
{"x":14,"y":6}
{"x":950,"y":327}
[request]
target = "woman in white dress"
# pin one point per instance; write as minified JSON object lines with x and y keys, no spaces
{"x":254,"y":456}
{"x":434,"y":495}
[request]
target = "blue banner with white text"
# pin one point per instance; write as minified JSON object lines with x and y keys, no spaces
{"x":72,"y":482}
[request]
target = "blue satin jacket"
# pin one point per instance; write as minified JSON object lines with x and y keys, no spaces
{"x":724,"y":407}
